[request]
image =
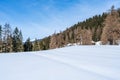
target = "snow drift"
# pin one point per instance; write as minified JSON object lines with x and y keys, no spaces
{"x":69,"y":63}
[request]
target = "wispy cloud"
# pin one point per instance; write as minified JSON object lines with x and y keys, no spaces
{"x":40,"y":18}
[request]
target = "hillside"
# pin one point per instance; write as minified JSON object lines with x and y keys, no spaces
{"x":69,"y":63}
{"x":71,"y":34}
{"x":104,"y":28}
{"x":98,"y":28}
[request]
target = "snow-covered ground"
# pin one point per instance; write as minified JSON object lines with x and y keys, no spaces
{"x":69,"y":63}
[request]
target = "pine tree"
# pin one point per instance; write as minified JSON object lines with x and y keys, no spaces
{"x":9,"y":44}
{"x":45,"y":43}
{"x":20,"y":42}
{"x":36,"y":46}
{"x":0,"y":38}
{"x":28,"y":45}
{"x":17,"y":40}
{"x":42,"y":46}
{"x":7,"y":38}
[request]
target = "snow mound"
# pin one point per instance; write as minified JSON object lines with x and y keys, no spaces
{"x":68,"y":63}
{"x":98,"y":43}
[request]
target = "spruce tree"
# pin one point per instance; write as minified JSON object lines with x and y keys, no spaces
{"x":28,"y":45}
{"x":21,"y":41}
{"x":36,"y":46}
{"x":0,"y":38}
{"x":17,"y":40}
{"x":7,"y":38}
{"x":45,"y":43}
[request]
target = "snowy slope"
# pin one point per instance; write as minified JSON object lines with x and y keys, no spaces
{"x":69,"y":63}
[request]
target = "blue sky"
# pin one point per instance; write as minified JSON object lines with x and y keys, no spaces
{"x":40,"y":18}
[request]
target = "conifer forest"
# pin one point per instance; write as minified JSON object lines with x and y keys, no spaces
{"x":104,"y":28}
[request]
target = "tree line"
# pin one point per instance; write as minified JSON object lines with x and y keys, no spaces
{"x":10,"y":41}
{"x":111,"y":30}
{"x":104,"y":28}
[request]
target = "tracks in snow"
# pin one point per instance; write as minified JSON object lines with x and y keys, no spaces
{"x":65,"y":59}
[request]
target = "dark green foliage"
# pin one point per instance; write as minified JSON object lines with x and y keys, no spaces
{"x":0,"y":38}
{"x":28,"y":45}
{"x":90,"y":29}
{"x":7,"y":38}
{"x":94,"y":23}
{"x":0,"y":32}
{"x":44,"y":43}
{"x":36,"y":46}
{"x":17,"y":40}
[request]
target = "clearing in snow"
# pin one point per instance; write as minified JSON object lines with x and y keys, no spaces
{"x":69,"y":63}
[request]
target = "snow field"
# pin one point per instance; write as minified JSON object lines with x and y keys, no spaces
{"x":68,"y":63}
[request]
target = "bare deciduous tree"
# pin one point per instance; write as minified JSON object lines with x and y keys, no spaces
{"x":111,"y":31}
